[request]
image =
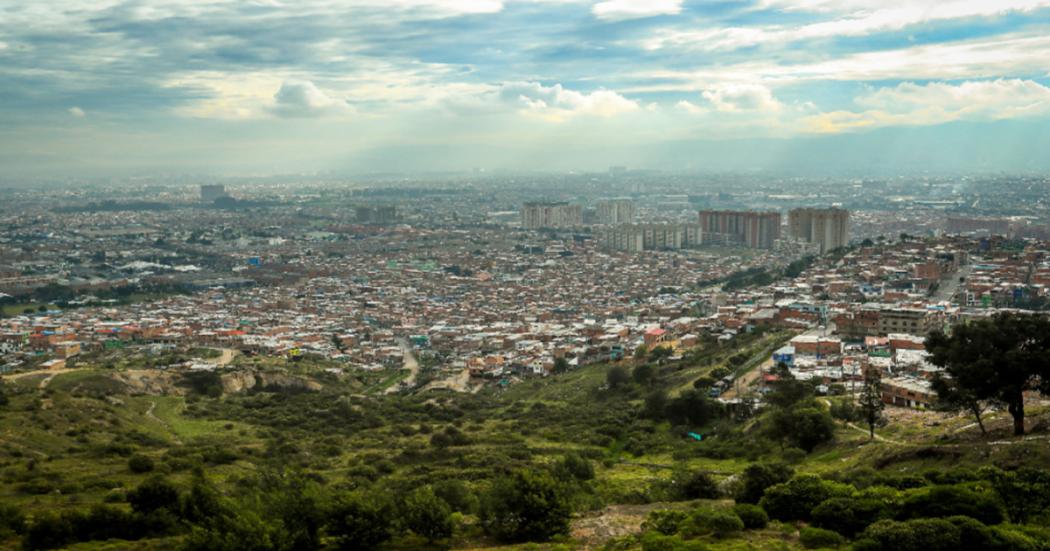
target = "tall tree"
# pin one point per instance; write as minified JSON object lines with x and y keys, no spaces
{"x":953,"y":397}
{"x":870,"y":400}
{"x":997,"y":359}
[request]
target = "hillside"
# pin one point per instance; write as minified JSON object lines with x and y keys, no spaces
{"x":92,"y":436}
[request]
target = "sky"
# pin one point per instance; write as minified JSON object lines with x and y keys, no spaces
{"x":111,"y":87}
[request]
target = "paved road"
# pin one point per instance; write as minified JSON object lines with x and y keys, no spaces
{"x":950,"y":285}
{"x":410,"y":364}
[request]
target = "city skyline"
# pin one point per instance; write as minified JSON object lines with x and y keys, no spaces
{"x":268,"y":87}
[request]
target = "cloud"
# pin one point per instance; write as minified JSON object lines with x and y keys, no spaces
{"x":558,"y":103}
{"x":909,"y":104}
{"x":742,"y":97}
{"x":851,"y":18}
{"x":619,"y":10}
{"x":76,"y":112}
{"x":303,"y":99}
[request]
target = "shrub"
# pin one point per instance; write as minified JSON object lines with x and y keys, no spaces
{"x":946,"y":501}
{"x":457,"y":494}
{"x":708,"y":522}
{"x":12,"y":521}
{"x":154,"y":494}
{"x":696,"y":485}
{"x":932,"y":534}
{"x":819,"y":538}
{"x":427,"y":515}
{"x":759,"y":476}
{"x":664,"y":521}
{"x":796,"y":498}
{"x":849,"y":515}
{"x":140,"y":464}
{"x":526,"y":506}
{"x":573,"y":466}
{"x":360,"y":521}
{"x":753,"y":516}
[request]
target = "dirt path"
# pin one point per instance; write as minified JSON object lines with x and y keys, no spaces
{"x":149,"y":414}
{"x":51,"y":374}
{"x":228,"y":354}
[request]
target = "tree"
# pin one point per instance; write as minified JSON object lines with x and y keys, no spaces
{"x":525,"y":506}
{"x":561,"y":365}
{"x":871,"y":405}
{"x":427,"y":515}
{"x":803,"y":427}
{"x":997,"y":359}
{"x":640,"y":352}
{"x":660,"y":353}
{"x":953,"y":397}
{"x":139,"y":463}
{"x":617,"y":376}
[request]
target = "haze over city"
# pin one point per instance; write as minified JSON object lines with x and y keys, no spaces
{"x":227,"y":87}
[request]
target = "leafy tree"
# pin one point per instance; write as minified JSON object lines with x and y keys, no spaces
{"x":617,"y":376}
{"x":655,"y":404}
{"x":1025,"y":492}
{"x":997,"y":359}
{"x":692,"y":407}
{"x":819,"y":538}
{"x":708,"y":522}
{"x":914,"y":535}
{"x":759,"y":476}
{"x":786,"y":390}
{"x":870,"y":400}
{"x":641,"y":352}
{"x":427,"y":515}
{"x":850,"y":515}
{"x":561,"y":365}
{"x":361,"y":520}
{"x":803,"y":427}
{"x":525,"y":506}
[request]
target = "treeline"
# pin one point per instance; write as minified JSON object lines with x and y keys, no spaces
{"x":759,"y":276}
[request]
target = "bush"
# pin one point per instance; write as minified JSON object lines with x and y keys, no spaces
{"x":664,"y":521}
{"x":931,"y":534}
{"x":707,"y":522}
{"x":947,"y":501}
{"x":526,"y":506}
{"x":759,"y":476}
{"x":427,"y":515}
{"x":849,"y":515}
{"x":574,"y":467}
{"x":457,"y":494}
{"x":753,"y":516}
{"x":819,"y":538}
{"x":360,"y":521}
{"x":154,"y":494}
{"x":140,"y":464}
{"x":803,"y":427}
{"x":695,"y":485}
{"x":12,"y":521}
{"x":796,"y":498}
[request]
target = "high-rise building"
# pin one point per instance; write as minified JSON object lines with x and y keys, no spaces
{"x":375,"y":215}
{"x":828,"y":227}
{"x":550,"y":215}
{"x":650,"y":237}
{"x":616,"y":211}
{"x":756,"y":230}
{"x":211,"y":192}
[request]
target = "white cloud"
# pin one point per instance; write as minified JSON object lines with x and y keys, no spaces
{"x":77,"y":112}
{"x":853,"y":18}
{"x":558,"y":103}
{"x":618,"y":10}
{"x":742,"y":97}
{"x":301,"y":98}
{"x":909,"y":104}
